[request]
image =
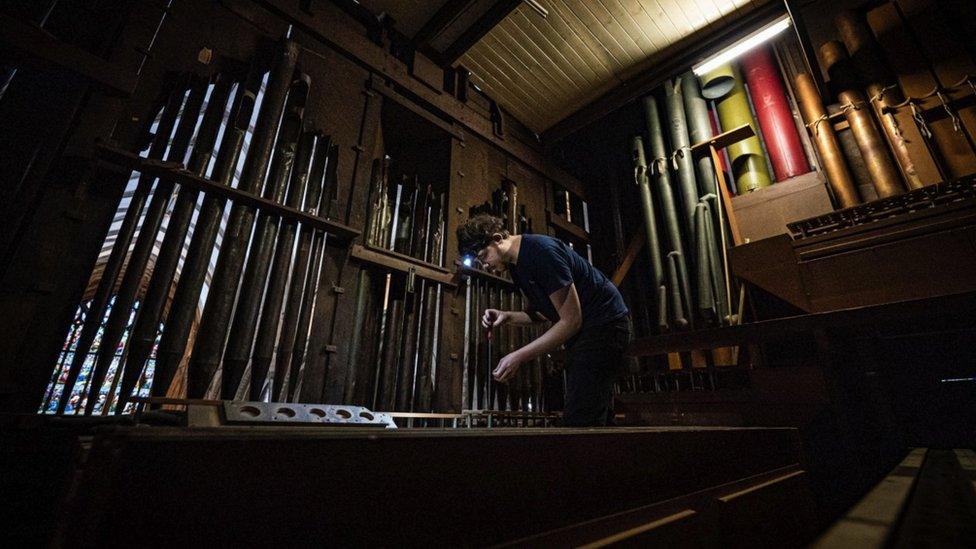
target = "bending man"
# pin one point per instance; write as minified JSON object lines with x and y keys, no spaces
{"x":587,"y":312}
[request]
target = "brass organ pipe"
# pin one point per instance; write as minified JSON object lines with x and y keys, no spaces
{"x":815,"y":117}
{"x":884,"y":175}
{"x":881,"y":87}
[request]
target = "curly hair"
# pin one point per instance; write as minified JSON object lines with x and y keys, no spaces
{"x":474,"y":234}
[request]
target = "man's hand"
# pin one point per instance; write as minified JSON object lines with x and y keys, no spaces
{"x":508,"y":366}
{"x":494,"y":318}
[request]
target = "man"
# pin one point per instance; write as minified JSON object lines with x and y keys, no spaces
{"x":587,"y":312}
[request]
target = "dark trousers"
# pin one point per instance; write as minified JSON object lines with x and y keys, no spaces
{"x":594,"y":361}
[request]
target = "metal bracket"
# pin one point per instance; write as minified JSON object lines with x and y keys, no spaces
{"x":338,"y":289}
{"x":331,"y":349}
{"x":411,"y":279}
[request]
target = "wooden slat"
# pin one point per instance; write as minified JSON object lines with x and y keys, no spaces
{"x":636,"y":244}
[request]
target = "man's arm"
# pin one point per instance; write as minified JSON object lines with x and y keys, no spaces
{"x":494,"y":317}
{"x":567,"y":304}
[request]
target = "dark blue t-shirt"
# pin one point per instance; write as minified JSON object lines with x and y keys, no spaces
{"x":546,"y":264}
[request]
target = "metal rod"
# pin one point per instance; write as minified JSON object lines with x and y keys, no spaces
{"x":135,"y":269}
{"x":466,"y":347}
{"x":170,"y":101}
{"x":328,"y":207}
{"x":209,"y":344}
{"x":706,"y":300}
{"x":298,"y":285}
{"x":143,"y":335}
{"x":241,"y":337}
{"x":267,"y":331}
{"x":716,"y":266}
{"x":186,"y":298}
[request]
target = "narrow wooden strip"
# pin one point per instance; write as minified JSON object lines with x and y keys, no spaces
{"x":403,"y":263}
{"x":616,"y":538}
{"x":636,"y":244}
{"x":735,"y":495}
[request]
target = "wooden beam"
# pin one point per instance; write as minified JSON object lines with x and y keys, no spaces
{"x":175,"y":171}
{"x":29,"y":44}
{"x":440,"y":21}
{"x":485,"y":275}
{"x":326,"y":26}
{"x":403,"y":263}
{"x":493,"y":16}
{"x":636,"y":243}
{"x":674,"y":59}
{"x":559,"y":222}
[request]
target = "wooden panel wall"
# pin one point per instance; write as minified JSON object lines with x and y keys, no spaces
{"x":41,"y":291}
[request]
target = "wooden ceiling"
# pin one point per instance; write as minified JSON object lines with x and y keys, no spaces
{"x":544,"y":69}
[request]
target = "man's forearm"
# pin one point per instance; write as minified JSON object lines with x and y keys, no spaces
{"x":559,"y":333}
{"x":521,"y":318}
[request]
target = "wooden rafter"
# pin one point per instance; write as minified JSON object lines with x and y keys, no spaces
{"x":476,"y":31}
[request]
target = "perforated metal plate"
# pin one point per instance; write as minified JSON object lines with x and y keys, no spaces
{"x":263,"y":413}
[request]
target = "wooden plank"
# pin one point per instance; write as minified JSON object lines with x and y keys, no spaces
{"x":723,"y":140}
{"x":558,"y":222}
{"x":874,"y":518}
{"x":340,"y":362}
{"x":403,"y":264}
{"x":505,"y":282}
{"x":390,"y":93}
{"x":636,"y":245}
{"x":442,"y":19}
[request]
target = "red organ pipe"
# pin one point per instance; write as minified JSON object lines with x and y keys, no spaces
{"x":774,"y":114}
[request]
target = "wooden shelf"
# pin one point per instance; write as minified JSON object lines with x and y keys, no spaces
{"x":403,"y":263}
{"x":484,"y":274}
{"x":558,"y":222}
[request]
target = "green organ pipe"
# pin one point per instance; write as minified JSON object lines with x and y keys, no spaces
{"x":661,"y":186}
{"x":681,"y":153}
{"x":647,"y":206}
{"x":699,"y":129}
